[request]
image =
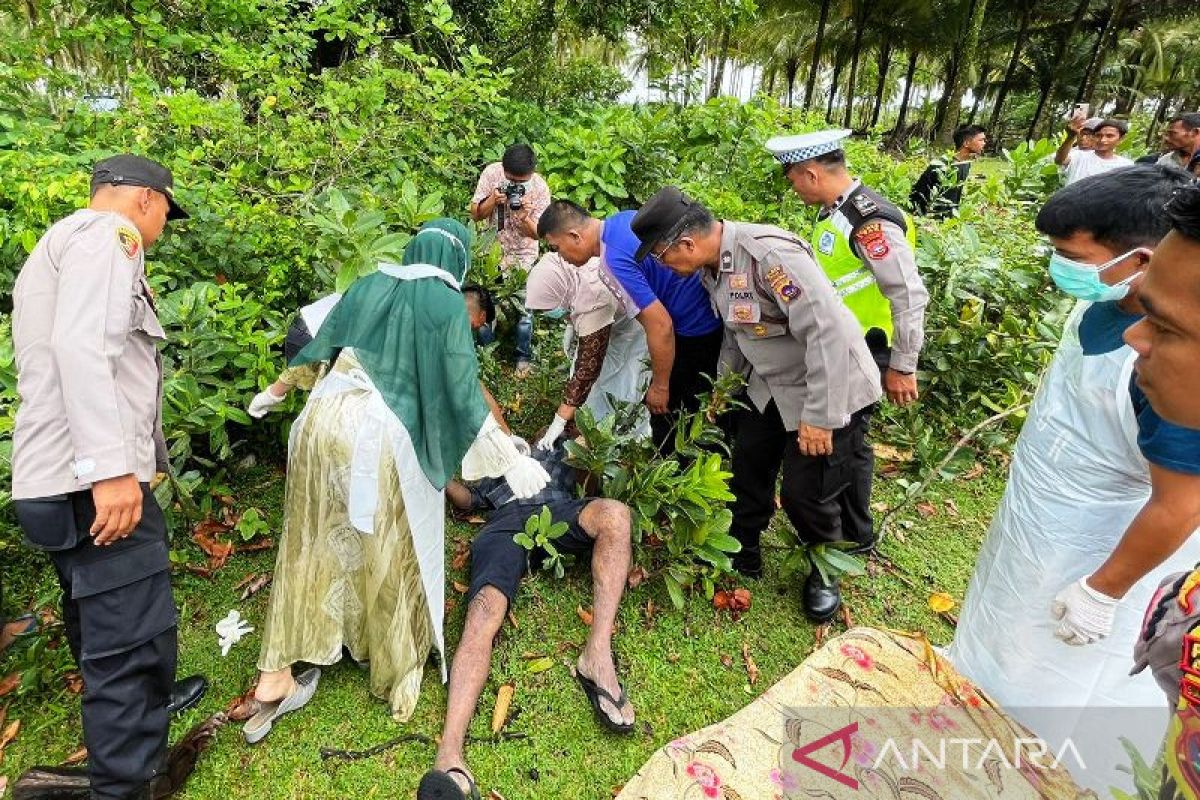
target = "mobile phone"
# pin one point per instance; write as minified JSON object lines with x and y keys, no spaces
{"x":1081,"y":110}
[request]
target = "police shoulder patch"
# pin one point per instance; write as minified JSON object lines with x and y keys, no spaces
{"x":129,"y":240}
{"x":872,"y":240}
{"x":782,"y":284}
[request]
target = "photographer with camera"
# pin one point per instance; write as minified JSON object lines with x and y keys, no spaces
{"x":512,"y":197}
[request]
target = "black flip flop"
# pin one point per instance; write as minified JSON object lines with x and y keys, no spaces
{"x":594,"y":693}
{"x":438,"y":785}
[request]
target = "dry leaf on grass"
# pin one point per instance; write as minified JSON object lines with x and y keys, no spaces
{"x":974,"y":472}
{"x":10,"y":733}
{"x":512,"y":619}
{"x":726,"y":661}
{"x":451,"y":604}
{"x":256,"y":586}
{"x":585,"y":615}
{"x":78,"y":757}
{"x":504,"y":698}
{"x":74,"y":682}
{"x":237,"y":587}
{"x":751,"y":667}
{"x":462,"y":554}
{"x":255,"y":546}
{"x":940,"y":602}
{"x":460,"y":587}
{"x":475,"y":519}
{"x":847,"y":620}
{"x":927,"y":509}
{"x":952,"y":508}
{"x":9,"y":683}
{"x":637,"y":576}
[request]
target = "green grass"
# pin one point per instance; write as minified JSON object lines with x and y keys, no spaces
{"x":672,"y":663}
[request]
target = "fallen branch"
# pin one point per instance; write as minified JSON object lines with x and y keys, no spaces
{"x":354,"y":755}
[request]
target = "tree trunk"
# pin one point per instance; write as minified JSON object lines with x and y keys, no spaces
{"x":1087,"y":89}
{"x":1160,"y":113}
{"x":909,"y":76}
{"x":722,"y":57}
{"x":980,"y":90}
{"x":1060,"y":50}
{"x":885,"y":62}
{"x":1013,"y":62}
{"x":811,"y":84}
{"x":967,"y":47}
{"x":833,"y":86}
{"x":792,"y":66}
{"x":851,"y":84}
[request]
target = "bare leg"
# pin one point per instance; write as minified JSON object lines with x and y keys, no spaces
{"x":608,"y":522}
{"x":458,"y":495}
{"x":273,"y":686}
{"x":468,"y":674}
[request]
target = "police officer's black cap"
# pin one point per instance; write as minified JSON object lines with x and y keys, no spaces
{"x":657,"y":217}
{"x":130,"y":170}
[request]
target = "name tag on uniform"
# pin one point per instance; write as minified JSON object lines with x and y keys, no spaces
{"x":782,"y":284}
{"x":826,"y":242}
{"x":744,"y":312}
{"x":739,"y":281}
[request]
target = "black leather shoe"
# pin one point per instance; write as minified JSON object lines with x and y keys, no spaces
{"x":821,"y":600}
{"x":186,"y":694}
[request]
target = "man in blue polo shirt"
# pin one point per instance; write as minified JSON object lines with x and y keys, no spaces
{"x":682,"y":330}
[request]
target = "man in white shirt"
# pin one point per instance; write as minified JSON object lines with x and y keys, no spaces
{"x":1102,"y":157}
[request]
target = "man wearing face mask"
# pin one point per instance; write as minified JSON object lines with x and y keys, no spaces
{"x":1076,"y":485}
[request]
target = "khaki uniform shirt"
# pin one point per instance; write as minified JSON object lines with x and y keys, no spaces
{"x":88,"y":370}
{"x":787,"y":331}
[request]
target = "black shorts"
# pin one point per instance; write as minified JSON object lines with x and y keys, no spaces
{"x":496,"y":560}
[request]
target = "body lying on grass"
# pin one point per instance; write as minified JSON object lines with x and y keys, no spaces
{"x":600,"y":527}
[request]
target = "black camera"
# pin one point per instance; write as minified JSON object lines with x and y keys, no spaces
{"x":515,"y":192}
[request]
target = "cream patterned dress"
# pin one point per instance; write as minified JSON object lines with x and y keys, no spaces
{"x":357,"y":563}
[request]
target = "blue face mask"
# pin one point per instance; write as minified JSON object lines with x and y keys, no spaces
{"x":555,"y":313}
{"x":1083,"y":280}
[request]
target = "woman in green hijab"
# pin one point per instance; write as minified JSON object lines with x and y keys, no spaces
{"x":360,"y":562}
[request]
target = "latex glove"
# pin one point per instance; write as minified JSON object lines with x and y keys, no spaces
{"x":263,"y":402}
{"x":1084,"y":615}
{"x":230,"y":631}
{"x":521,"y":445}
{"x":526,"y":478}
{"x":552,"y":433}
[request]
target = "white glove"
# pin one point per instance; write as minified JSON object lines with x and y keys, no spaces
{"x":521,"y":445}
{"x":1085,"y":615}
{"x":552,"y":433}
{"x":263,"y":402}
{"x":526,"y":478}
{"x":230,"y":631}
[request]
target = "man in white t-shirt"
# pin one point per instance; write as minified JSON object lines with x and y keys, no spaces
{"x":1102,"y":157}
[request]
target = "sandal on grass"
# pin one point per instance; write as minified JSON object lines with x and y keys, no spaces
{"x":258,"y":726}
{"x":594,"y":693}
{"x":438,"y":785}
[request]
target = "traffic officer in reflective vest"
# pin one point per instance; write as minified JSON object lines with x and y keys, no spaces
{"x":87,"y":441}
{"x":811,"y":379}
{"x":865,"y":245}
